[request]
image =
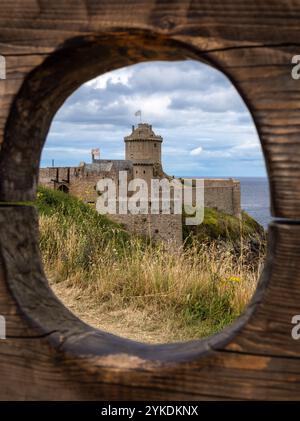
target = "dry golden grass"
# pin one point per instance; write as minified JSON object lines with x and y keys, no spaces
{"x":146,"y":292}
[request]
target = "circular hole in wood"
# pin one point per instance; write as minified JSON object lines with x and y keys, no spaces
{"x":40,"y":97}
{"x":158,"y":121}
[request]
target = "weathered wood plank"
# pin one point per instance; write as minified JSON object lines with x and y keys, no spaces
{"x":266,"y":89}
{"x":261,"y":361}
{"x":52,"y":48}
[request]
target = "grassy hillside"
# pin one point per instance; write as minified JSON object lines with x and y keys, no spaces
{"x":123,"y":284}
{"x":245,"y":235}
{"x":70,"y":210}
{"x":218,"y":225}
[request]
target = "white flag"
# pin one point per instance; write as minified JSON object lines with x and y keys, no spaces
{"x":96,"y":152}
{"x":139,"y":112}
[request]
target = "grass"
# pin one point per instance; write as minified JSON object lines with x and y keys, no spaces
{"x":128,"y":286}
{"x":218,"y":225}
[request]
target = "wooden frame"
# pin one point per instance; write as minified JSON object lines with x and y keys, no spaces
{"x":49,"y":353}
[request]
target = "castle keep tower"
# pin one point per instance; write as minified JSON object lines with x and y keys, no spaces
{"x":143,"y":148}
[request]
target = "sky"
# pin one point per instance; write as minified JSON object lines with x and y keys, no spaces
{"x":207,"y":129}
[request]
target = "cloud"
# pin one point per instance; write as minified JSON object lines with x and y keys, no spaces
{"x":220,"y":100}
{"x":206,"y":127}
{"x":196,"y":151}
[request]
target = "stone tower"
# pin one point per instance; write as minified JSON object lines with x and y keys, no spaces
{"x":143,"y":148}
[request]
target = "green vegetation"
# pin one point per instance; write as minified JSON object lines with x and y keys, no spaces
{"x":68,"y":208}
{"x":125,"y":284}
{"x":221,"y":226}
{"x":93,"y":229}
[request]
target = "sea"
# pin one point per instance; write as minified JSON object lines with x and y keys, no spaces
{"x":255,"y":198}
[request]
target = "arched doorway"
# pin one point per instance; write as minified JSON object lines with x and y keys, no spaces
{"x":63,"y":188}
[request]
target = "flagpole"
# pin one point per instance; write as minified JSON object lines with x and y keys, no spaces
{"x":139,"y":113}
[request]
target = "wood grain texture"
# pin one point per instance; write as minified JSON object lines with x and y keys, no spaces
{"x":51,"y":48}
{"x":255,"y":358}
{"x":51,"y":53}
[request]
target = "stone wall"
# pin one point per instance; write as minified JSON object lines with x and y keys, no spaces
{"x":163,"y":228}
{"x":222,"y":194}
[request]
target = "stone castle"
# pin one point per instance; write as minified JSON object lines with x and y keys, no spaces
{"x":143,"y":161}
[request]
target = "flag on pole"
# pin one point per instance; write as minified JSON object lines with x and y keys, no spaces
{"x":96,"y":153}
{"x":138,"y":113}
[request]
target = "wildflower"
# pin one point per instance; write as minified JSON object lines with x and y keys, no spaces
{"x":234,"y":279}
